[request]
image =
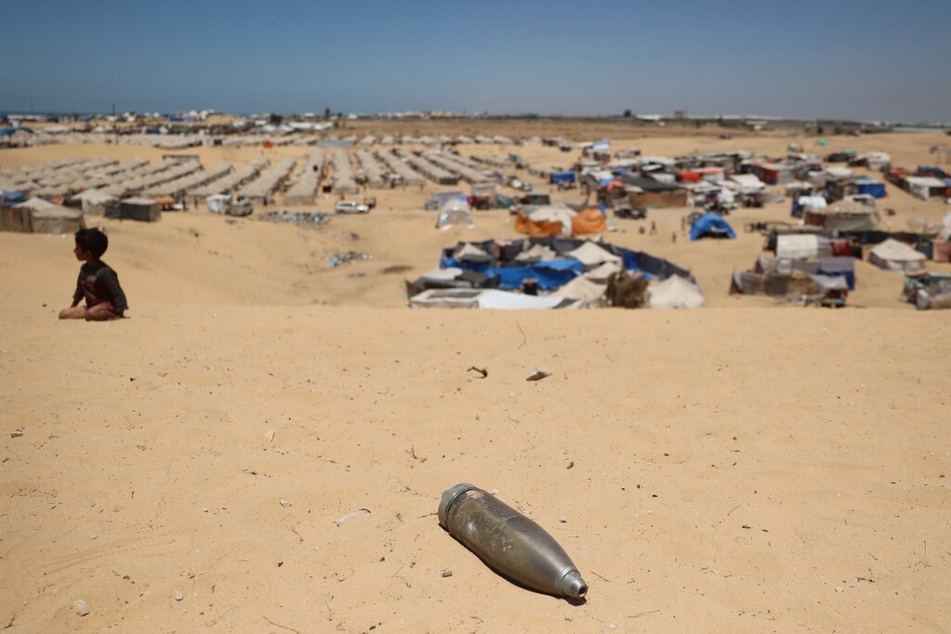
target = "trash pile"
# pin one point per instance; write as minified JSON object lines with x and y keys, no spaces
{"x":299,"y":218}
{"x":347,"y":256}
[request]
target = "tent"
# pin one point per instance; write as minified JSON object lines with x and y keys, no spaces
{"x":218,"y":203}
{"x":592,"y":255}
{"x":797,"y":246}
{"x":582,"y":289}
{"x":545,"y":221}
{"x":711,"y":225}
{"x":35,"y":204}
{"x":566,"y":177}
{"x":487,"y":298}
{"x":865,"y":185}
{"x":16,"y":219}
{"x":674,"y":292}
{"x":98,"y":203}
{"x":145,"y":209}
{"x":588,"y":221}
{"x":57,"y":219}
{"x":455,"y":212}
{"x":893,"y":255}
{"x":12,"y":197}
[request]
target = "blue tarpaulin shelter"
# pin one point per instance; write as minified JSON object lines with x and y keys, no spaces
{"x":567,"y":177}
{"x":554,"y":273}
{"x":12,"y":197}
{"x":711,"y":225}
{"x":871,"y":187}
{"x":12,"y":131}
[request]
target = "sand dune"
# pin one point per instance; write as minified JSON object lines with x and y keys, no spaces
{"x":747,"y":466}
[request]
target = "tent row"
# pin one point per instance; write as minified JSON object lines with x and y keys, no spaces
{"x":396,"y":165}
{"x":303,"y":191}
{"x":103,"y":177}
{"x":165,"y":171}
{"x":344,"y":181}
{"x":233,"y":180}
{"x":284,"y":135}
{"x":370,"y":167}
{"x":261,"y":190}
{"x":52,"y":178}
{"x":493,"y":161}
{"x":427,"y":168}
{"x":37,"y":215}
{"x":188,"y":182}
{"x":462,"y":168}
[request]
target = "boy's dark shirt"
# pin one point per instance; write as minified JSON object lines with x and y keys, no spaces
{"x":99,"y":283}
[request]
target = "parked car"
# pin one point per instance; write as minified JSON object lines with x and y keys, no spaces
{"x":351,"y":207}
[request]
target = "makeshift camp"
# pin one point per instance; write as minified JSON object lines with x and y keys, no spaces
{"x":501,"y":259}
{"x":674,"y":292}
{"x":711,"y":225}
{"x":893,"y":255}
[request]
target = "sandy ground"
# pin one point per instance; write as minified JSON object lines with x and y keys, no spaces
{"x":749,"y":466}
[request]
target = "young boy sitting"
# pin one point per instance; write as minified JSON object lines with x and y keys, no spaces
{"x":97,"y":282}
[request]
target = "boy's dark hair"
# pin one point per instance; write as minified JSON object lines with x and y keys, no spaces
{"x":92,"y":240}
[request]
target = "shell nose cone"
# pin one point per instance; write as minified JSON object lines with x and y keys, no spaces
{"x":448,"y":497}
{"x":573,"y":586}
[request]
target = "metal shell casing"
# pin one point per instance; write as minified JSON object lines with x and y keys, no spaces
{"x":508,"y":542}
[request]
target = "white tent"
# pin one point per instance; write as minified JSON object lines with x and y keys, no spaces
{"x":748,"y":182}
{"x":455,"y":212}
{"x":893,"y":255}
{"x":487,"y":298}
{"x":797,"y":246}
{"x":583,"y":289}
{"x":35,"y":204}
{"x":98,"y":203}
{"x":812,"y":203}
{"x":674,"y":292}
{"x":57,"y":219}
{"x":591,"y":254}
{"x":471,"y":253}
{"x":603,"y":272}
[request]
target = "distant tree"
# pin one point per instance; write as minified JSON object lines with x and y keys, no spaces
{"x":628,"y":114}
{"x":326,"y":113}
{"x":275,"y":119}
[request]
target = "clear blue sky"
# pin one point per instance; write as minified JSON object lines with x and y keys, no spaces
{"x":869,"y":60}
